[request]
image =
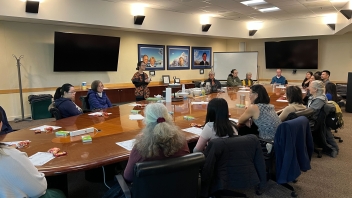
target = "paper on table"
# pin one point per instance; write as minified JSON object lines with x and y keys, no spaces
{"x":136,"y":117}
{"x":98,"y":113}
{"x":242,"y":91}
{"x":193,"y":130}
{"x":281,"y":87}
{"x":235,"y":120}
{"x":11,"y":143}
{"x":128,"y":144}
{"x":45,"y":126}
{"x":40,"y":158}
{"x":281,"y":100}
{"x":202,"y":102}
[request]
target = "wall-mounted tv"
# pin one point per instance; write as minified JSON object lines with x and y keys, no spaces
{"x":82,"y":52}
{"x":297,"y":54}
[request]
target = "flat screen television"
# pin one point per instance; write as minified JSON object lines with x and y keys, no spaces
{"x":297,"y":54}
{"x":83,"y":52}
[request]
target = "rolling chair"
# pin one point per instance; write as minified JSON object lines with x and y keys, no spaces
{"x":172,"y":178}
{"x":56,"y":113}
{"x":85,"y":104}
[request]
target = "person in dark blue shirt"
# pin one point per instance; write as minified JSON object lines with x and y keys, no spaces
{"x":278,"y":79}
{"x":6,"y":127}
{"x":97,"y":98}
{"x":63,"y":101}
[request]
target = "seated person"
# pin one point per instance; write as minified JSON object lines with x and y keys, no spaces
{"x":261,"y":112}
{"x":215,"y":84}
{"x":217,"y":124}
{"x":160,"y":139}
{"x":330,"y":92}
{"x":306,"y":80}
{"x":6,"y":127}
{"x":278,"y":79}
{"x":97,"y":98}
{"x":63,"y":101}
{"x":317,"y":97}
{"x":233,"y":80}
{"x":16,"y":166}
{"x":248,"y":81}
{"x":294,"y":97}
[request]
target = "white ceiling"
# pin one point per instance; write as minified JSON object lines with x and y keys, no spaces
{"x":234,"y":10}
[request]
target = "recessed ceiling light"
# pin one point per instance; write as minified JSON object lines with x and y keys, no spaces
{"x":253,"y":2}
{"x":271,"y":9}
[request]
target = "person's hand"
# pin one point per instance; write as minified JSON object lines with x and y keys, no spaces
{"x":249,"y":123}
{"x":148,"y":80}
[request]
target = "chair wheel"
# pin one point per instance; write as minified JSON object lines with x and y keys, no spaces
{"x":340,"y":140}
{"x":294,"y":194}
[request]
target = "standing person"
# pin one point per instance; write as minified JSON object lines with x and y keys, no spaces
{"x":325,"y":75}
{"x":63,"y":101}
{"x":215,"y":84}
{"x":294,"y":97}
{"x":233,"y":80}
{"x":97,"y":98}
{"x":261,"y":112}
{"x":217,"y":124}
{"x":141,"y":80}
{"x":248,"y":81}
{"x":204,"y":61}
{"x":306,"y":81}
{"x":278,"y":79}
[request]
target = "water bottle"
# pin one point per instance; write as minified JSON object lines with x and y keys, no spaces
{"x":183,"y":88}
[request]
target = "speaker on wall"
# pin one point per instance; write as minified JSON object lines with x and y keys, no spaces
{"x":349,"y":93}
{"x":138,"y":20}
{"x":32,"y":6}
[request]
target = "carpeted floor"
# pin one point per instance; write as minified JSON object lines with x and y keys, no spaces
{"x":329,"y":177}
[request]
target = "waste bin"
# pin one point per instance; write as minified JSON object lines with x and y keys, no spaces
{"x":39,"y":106}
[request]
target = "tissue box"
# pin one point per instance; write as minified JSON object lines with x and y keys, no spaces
{"x":86,"y":138}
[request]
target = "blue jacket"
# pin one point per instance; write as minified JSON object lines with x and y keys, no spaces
{"x":97,"y":102}
{"x":6,"y":128}
{"x":293,"y":149}
{"x":66,"y":107}
{"x":280,"y":80}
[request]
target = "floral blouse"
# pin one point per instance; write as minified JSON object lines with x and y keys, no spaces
{"x":141,"y":86}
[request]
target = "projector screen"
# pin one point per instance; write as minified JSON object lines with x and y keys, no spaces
{"x":244,"y":62}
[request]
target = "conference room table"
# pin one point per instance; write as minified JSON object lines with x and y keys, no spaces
{"x":117,"y":127}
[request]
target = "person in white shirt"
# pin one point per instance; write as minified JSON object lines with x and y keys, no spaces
{"x":217,"y":124}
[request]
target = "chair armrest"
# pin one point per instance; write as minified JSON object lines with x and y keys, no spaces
{"x":124,"y":186}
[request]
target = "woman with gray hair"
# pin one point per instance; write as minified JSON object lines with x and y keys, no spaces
{"x":160,"y":139}
{"x":97,"y":98}
{"x":317,"y":99}
{"x":248,"y":81}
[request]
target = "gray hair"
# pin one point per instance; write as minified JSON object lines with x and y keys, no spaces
{"x":211,"y":72}
{"x":319,"y":86}
{"x":248,"y":73}
{"x":164,"y":136}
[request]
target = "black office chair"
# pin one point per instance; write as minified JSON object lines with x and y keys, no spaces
{"x":56,"y":113}
{"x":172,"y":178}
{"x":85,"y":104}
{"x":286,"y":82}
{"x":197,"y":84}
{"x":233,"y":164}
{"x":6,"y":127}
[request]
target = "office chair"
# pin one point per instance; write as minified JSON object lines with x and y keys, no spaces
{"x":6,"y":127}
{"x":172,"y":178}
{"x":85,"y":104}
{"x":224,"y":176}
{"x":56,"y":113}
{"x":286,"y":82}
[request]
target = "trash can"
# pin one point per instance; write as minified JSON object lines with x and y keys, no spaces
{"x":39,"y":106}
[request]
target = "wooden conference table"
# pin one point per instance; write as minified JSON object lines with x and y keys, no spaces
{"x":117,"y":127}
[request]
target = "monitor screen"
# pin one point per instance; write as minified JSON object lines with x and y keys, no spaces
{"x":82,"y":52}
{"x":298,"y":54}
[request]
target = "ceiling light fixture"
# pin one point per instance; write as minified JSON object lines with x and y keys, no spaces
{"x":32,"y":6}
{"x":137,"y":10}
{"x":271,"y":9}
{"x":253,"y":2}
{"x":205,"y":22}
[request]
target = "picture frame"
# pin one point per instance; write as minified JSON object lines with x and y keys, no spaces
{"x":177,"y":80}
{"x":178,"y":57}
{"x":152,"y":55}
{"x":151,"y":73}
{"x":198,"y":57}
{"x":166,"y":79}
{"x":201,"y":71}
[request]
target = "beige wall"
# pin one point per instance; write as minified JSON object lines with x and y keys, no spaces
{"x":335,"y":55}
{"x":36,"y":43}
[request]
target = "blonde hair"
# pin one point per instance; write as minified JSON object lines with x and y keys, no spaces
{"x":319,"y":86}
{"x":157,"y":137}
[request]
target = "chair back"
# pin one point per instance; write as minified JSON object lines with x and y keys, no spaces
{"x":6,"y":127}
{"x":306,"y":113}
{"x":172,"y":178}
{"x":56,"y":113}
{"x":85,"y":103}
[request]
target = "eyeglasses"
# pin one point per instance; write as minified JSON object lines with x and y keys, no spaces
{"x":71,"y":92}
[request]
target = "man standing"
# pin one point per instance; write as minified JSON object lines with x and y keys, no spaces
{"x":325,"y":75}
{"x":233,"y":80}
{"x":215,"y":84}
{"x":278,"y":79}
{"x":204,"y":61}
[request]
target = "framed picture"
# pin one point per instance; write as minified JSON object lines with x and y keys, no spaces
{"x":166,"y":79}
{"x":201,"y":57}
{"x":177,"y":80}
{"x":178,"y":57}
{"x":152,"y":56}
{"x":151,"y":73}
{"x":201,"y":71}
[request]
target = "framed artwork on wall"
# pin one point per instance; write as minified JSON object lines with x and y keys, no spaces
{"x":152,"y":55}
{"x":201,"y":57}
{"x":178,"y":57}
{"x":166,"y":79}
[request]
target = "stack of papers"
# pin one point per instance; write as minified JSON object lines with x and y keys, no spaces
{"x":136,"y":117}
{"x":202,"y":102}
{"x":194,"y":130}
{"x":98,"y":114}
{"x":281,"y":100}
{"x":41,"y":158}
{"x":42,"y":128}
{"x":128,"y":144}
